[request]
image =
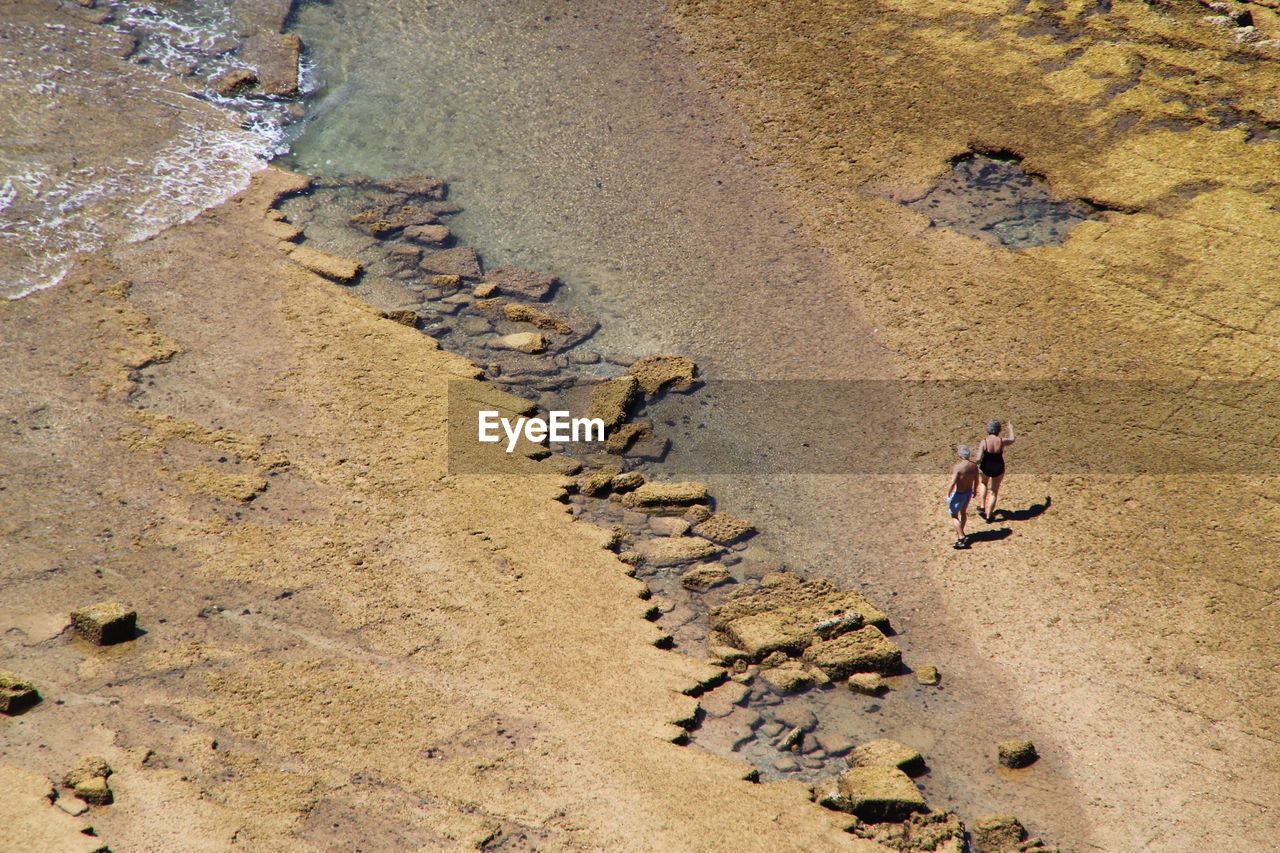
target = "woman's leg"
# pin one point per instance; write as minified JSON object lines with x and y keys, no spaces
{"x":993,"y":493}
{"x":980,"y":493}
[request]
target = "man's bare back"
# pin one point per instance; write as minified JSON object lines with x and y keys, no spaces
{"x":964,"y":476}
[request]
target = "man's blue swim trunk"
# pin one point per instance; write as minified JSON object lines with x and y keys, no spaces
{"x":959,"y":500}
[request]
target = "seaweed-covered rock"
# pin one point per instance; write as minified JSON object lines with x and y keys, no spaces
{"x":883,"y":752}
{"x":880,"y":793}
{"x":612,"y":399}
{"x":1016,"y":753}
{"x":866,"y":649}
{"x":724,"y":529}
{"x":16,"y":693}
{"x":661,"y":371}
{"x":666,"y":498}
{"x":105,"y":623}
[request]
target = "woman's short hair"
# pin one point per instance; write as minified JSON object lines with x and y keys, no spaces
{"x":993,"y":427}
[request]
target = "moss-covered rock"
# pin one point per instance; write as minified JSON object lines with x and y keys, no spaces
{"x":16,"y":693}
{"x":883,"y":752}
{"x":880,"y":793}
{"x":996,"y":833}
{"x":1016,"y":753}
{"x":105,"y":623}
{"x":865,"y":650}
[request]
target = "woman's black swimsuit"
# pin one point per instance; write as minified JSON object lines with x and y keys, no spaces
{"x":992,"y":462}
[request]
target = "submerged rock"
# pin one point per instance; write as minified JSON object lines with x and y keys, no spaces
{"x":626,"y":435}
{"x":105,"y":623}
{"x":418,"y":186}
{"x":658,"y":372}
{"x":724,"y":529}
{"x":530,"y":342}
{"x":788,"y":677}
{"x":519,"y":313}
{"x":522,"y":282}
{"x":704,"y":578}
{"x":428,"y":235}
{"x":461,"y":261}
{"x":16,"y":693}
{"x":275,"y":56}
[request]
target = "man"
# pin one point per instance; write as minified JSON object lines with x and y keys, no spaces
{"x":964,"y":477}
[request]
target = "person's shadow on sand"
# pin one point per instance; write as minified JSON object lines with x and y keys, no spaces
{"x":990,"y":535}
{"x":1023,"y":514}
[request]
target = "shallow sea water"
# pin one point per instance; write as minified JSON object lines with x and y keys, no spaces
{"x":579,"y":142}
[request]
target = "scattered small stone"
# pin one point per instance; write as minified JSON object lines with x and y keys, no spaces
{"x":1016,"y":754}
{"x":234,"y":82}
{"x":525,"y":283}
{"x":996,"y":833}
{"x":404,"y":317}
{"x":928,"y":675}
{"x":529,"y":342}
{"x":668,"y":498}
{"x":704,"y":578}
{"x":333,"y":267}
{"x":105,"y":623}
{"x":519,"y":313}
{"x":883,"y":752}
{"x":866,"y":683}
{"x":628,"y":481}
{"x":724,"y":529}
{"x":788,"y":677}
{"x":659,"y":372}
{"x":880,"y":793}
{"x":16,"y":693}
{"x":612,"y":399}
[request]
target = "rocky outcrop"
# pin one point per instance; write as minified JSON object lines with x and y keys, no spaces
{"x":105,"y":623}
{"x":660,"y":372}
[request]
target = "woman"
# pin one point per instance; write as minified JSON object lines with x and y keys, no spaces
{"x":991,"y":468}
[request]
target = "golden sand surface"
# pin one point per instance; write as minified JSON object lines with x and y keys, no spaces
{"x":1134,"y":621}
